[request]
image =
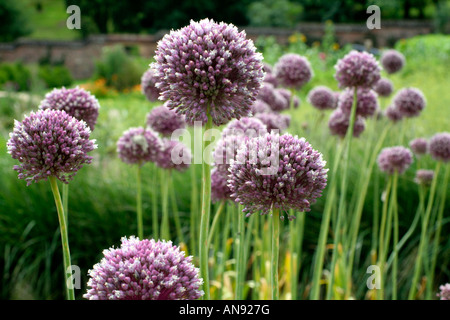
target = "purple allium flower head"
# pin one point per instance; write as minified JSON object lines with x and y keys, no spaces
{"x":77,"y":102}
{"x":165,"y":121}
{"x":445,"y":292}
{"x":357,"y":69}
{"x":208,"y":65}
{"x":275,"y":100}
{"x":139,"y":145}
{"x":226,"y":150}
{"x":148,"y":85}
{"x":393,"y":159}
{"x":144,"y":270}
{"x":367,"y":102}
{"x":259,"y":106}
{"x":250,"y":127}
{"x":270,"y":78}
{"x":219,"y":185}
{"x":293,"y":70}
{"x":393,"y":114}
{"x":424,"y":177}
{"x":339,"y":122}
{"x":419,"y":146}
{"x":287,"y":94}
{"x":439,"y":146}
{"x":276,"y":171}
{"x":50,"y":143}
{"x":383,"y":87}
{"x":274,"y":121}
{"x":174,"y":155}
{"x":392,"y":61}
{"x":322,"y":98}
{"x":409,"y":102}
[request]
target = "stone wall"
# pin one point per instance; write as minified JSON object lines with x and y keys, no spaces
{"x":79,"y":56}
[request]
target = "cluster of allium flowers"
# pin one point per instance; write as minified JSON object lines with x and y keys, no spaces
{"x":424,"y":177}
{"x":270,"y":78}
{"x":77,"y":102}
{"x":383,"y":87}
{"x":276,"y":171}
{"x":208,"y":67}
{"x":439,"y":146}
{"x":139,"y":145}
{"x":144,"y":270}
{"x":174,"y":155}
{"x":339,"y":122}
{"x":445,"y":292}
{"x":260,"y":106}
{"x":276,"y":101}
{"x":293,"y":70}
{"x":366,"y":102}
{"x":287,"y":94}
{"x":419,"y":146}
{"x":148,"y":85}
{"x":274,"y":121}
{"x":392,"y":61}
{"x":393,"y":159}
{"x":165,"y":121}
{"x":226,"y":150}
{"x":219,"y":185}
{"x":357,"y":69}
{"x":250,"y":127}
{"x":322,"y":98}
{"x":409,"y":102}
{"x":50,"y":143}
{"x":393,"y":114}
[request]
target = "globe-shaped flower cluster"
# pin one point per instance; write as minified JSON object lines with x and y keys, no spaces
{"x":339,"y":122}
{"x":409,"y":102}
{"x":366,"y":105}
{"x":439,"y":146}
{"x":393,"y":159}
{"x":392,"y":61}
{"x":424,"y":177}
{"x":293,"y":70}
{"x":165,"y":121}
{"x":383,"y":87}
{"x":139,"y":145}
{"x":419,"y":146}
{"x":322,"y":98}
{"x":357,"y":69}
{"x":148,"y":85}
{"x":174,"y":155}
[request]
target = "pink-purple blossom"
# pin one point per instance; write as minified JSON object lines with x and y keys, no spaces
{"x":419,"y":146}
{"x":392,"y":61}
{"x":148,"y":85}
{"x":357,"y":69}
{"x":394,"y":159}
{"x":439,"y":146}
{"x":383,"y":87}
{"x":174,"y":155}
{"x":366,"y":105}
{"x":339,"y":122}
{"x":322,"y":98}
{"x":293,"y":70}
{"x":409,"y":102}
{"x":165,"y":121}
{"x":139,"y":145}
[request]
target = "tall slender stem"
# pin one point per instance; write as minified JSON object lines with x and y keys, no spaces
{"x":381,"y":241}
{"x":64,"y":236}
{"x":165,"y":232}
{"x":275,"y":252}
{"x":65,"y":201}
{"x":140,"y":224}
{"x":174,"y":207}
{"x":395,"y":244}
{"x":155,"y":224}
{"x":194,"y":208}
{"x":206,"y":209}
{"x":215,"y":220}
{"x":240,"y":264}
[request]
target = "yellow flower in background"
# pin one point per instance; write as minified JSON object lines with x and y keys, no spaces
{"x":316,"y":44}
{"x":335,"y":46}
{"x":303,"y":38}
{"x":296,"y":37}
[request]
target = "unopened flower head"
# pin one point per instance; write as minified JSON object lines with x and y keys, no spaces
{"x":366,"y":105}
{"x":424,"y":177}
{"x":287,"y":94}
{"x":419,"y":146}
{"x":392,"y":61}
{"x":50,"y":143}
{"x":208,"y":68}
{"x":148,"y":85}
{"x":77,"y":102}
{"x":393,"y":114}
{"x":174,"y":155}
{"x":357,"y":69}
{"x":339,"y":122}
{"x":144,"y":270}
{"x":275,"y":171}
{"x":139,"y":145}
{"x":219,"y":185}
{"x":274,"y":121}
{"x":383,"y":87}
{"x":444,"y":293}
{"x":393,"y":159}
{"x":439,"y":146}
{"x":322,"y":98}
{"x":293,"y":70}
{"x":276,"y":101}
{"x":165,"y":121}
{"x":409,"y":102}
{"x":247,"y":126}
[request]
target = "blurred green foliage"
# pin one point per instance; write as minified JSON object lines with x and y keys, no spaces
{"x":55,"y":76}
{"x":13,"y":21}
{"x":14,"y":76}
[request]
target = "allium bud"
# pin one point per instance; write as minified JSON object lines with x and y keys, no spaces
{"x":276,"y":171}
{"x":322,"y":98}
{"x":419,"y":146}
{"x":383,"y":87}
{"x":393,"y":114}
{"x":439,"y":147}
{"x":409,"y":102}
{"x":144,"y":270}
{"x":340,"y":121}
{"x":424,"y":177}
{"x":76,"y":102}
{"x":274,"y":121}
{"x":392,"y":61}
{"x":174,"y":155}
{"x":395,"y":159}
{"x":165,"y":121}
{"x":139,"y":145}
{"x":50,"y":143}
{"x":293,"y":70}
{"x":357,"y":69}
{"x":148,"y":85}
{"x":208,"y":67}
{"x":366,"y":105}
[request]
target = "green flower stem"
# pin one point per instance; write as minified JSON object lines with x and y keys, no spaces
{"x":240,"y":263}
{"x":64,"y":236}
{"x":155,"y":224}
{"x":174,"y":207}
{"x":139,"y":202}
{"x":206,"y":209}
{"x":275,"y":252}
{"x":65,"y":201}
{"x":194,"y":209}
{"x":215,"y":220}
{"x":165,"y":230}
{"x":291,"y":102}
{"x":429,"y":292}
{"x":296,"y":228}
{"x":423,"y":235}
{"x":395,"y":244}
